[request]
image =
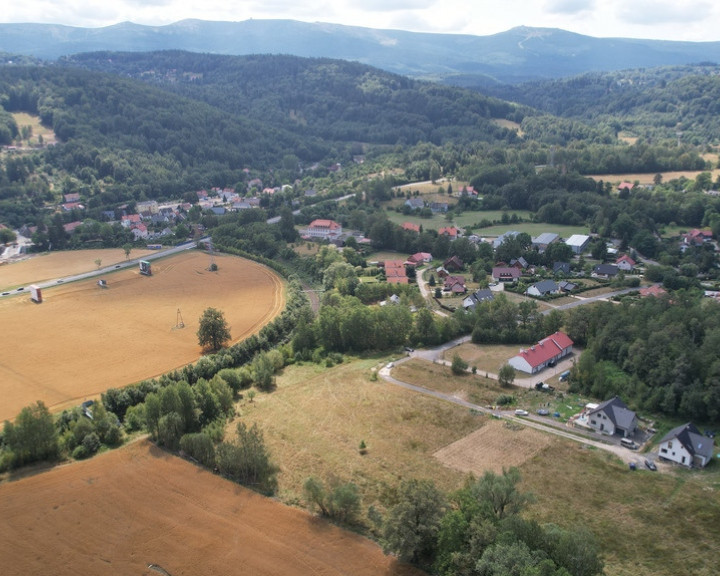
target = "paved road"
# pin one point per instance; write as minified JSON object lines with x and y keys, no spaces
{"x":107,"y":269}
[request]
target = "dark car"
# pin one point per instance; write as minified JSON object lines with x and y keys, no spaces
{"x":650,"y":465}
{"x":543,"y":412}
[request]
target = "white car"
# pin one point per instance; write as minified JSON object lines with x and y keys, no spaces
{"x":519,"y":412}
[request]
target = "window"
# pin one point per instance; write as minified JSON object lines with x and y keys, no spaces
{"x":670,"y":445}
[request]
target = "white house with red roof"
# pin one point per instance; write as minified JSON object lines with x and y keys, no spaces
{"x":697,"y":237}
{"x":323,"y":229}
{"x":419,"y":258}
{"x":548,"y":350}
{"x":625,"y":263}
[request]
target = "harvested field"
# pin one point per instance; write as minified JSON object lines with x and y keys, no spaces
{"x":495,"y":446}
{"x":127,"y":509}
{"x":43,"y":267}
{"x":84,"y":339}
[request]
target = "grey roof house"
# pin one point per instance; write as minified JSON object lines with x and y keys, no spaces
{"x":687,"y":446}
{"x":613,"y":417}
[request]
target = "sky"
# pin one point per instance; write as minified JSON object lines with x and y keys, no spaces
{"x":687,"y":20}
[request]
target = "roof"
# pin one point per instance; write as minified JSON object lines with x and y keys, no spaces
{"x":691,"y":438}
{"x":331,"y":224}
{"x":547,"y":349}
{"x":577,"y":240}
{"x":654,"y":290}
{"x":410,"y":226}
{"x":500,"y":271}
{"x":561,"y":267}
{"x":545,"y":238}
{"x":625,"y":258}
{"x":545,"y":286}
{"x":448,"y":231}
{"x":478,"y":296}
{"x":620,"y":415}
{"x":606,"y":269}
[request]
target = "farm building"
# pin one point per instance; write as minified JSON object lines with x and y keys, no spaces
{"x":687,"y":446}
{"x":612,"y":417}
{"x":578,"y":243}
{"x":544,"y":240}
{"x":544,"y":353}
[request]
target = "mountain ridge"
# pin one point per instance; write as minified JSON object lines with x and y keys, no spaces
{"x":520,"y":54}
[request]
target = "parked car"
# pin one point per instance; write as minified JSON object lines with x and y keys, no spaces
{"x":520,"y":412}
{"x":650,"y":465}
{"x":543,"y":412}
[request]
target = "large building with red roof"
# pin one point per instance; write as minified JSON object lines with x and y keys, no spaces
{"x":324,"y":229}
{"x":546,"y":352}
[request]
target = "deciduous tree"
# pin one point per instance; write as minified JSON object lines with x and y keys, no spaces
{"x":214,"y":331}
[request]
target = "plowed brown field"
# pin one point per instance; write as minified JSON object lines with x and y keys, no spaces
{"x":128,"y":509}
{"x":84,"y":339}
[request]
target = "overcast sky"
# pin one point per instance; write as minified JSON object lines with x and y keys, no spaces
{"x":691,"y":20}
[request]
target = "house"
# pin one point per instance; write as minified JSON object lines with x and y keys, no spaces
{"x":438,"y":207}
{"x":506,"y":274}
{"x":606,"y":271}
{"x":323,"y":229}
{"x":455,"y":284}
{"x":654,"y":290}
{"x":578,"y":243}
{"x":410,"y":227}
{"x":625,"y":187}
{"x":129,"y":220}
{"x":482,"y":295}
{"x":625,"y":263}
{"x":415,"y":203}
{"x":453,"y":264}
{"x":140,"y":231}
{"x":561,"y":268}
{"x":543,"y":288}
{"x":544,"y":240}
{"x":687,"y":446}
{"x":566,"y":286}
{"x":612,"y":417}
{"x":545,"y":353}
{"x":70,"y":226}
{"x":419,"y":258}
{"x":72,"y":197}
{"x":395,"y":272}
{"x":449,"y":231}
{"x":697,"y":237}
{"x":519,"y":263}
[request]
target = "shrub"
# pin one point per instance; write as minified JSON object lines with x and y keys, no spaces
{"x":505,"y":399}
{"x":200,"y":447}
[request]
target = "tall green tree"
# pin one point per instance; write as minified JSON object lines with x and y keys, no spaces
{"x":246,"y":460}
{"x":412,"y":524}
{"x":33,"y":436}
{"x":214,"y":331}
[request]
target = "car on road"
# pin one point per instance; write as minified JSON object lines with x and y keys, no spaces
{"x":543,"y":412}
{"x":5,"y":293}
{"x":520,"y":412}
{"x":408,"y":349}
{"x":117,"y":265}
{"x":650,"y":465}
{"x":20,"y":289}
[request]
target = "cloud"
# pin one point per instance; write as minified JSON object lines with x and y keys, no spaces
{"x":569,"y":6}
{"x":652,"y":12}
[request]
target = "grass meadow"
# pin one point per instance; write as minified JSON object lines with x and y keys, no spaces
{"x":647,"y":523}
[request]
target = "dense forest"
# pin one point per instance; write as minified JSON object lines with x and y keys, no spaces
{"x":658,"y":104}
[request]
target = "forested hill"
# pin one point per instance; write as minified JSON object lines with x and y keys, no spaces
{"x":520,"y":54}
{"x":335,"y":100}
{"x":657,"y":103}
